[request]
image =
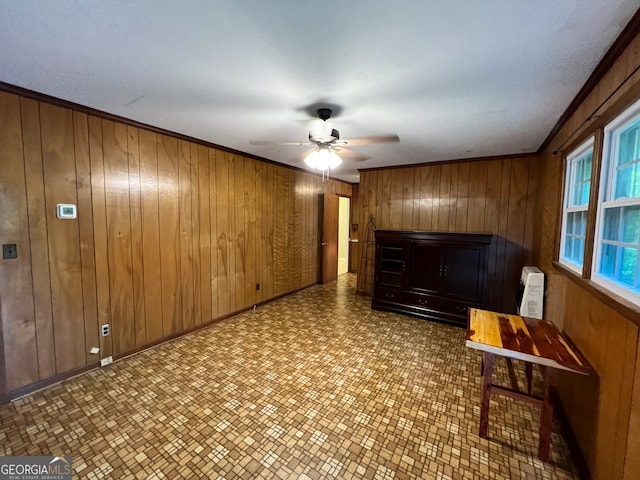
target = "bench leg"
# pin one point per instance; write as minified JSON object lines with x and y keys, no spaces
{"x":528,"y":370}
{"x":546,"y":416}
{"x":512,"y":375}
{"x":487,"y":374}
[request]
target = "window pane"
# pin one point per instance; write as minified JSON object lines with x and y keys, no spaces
{"x":623,"y":182}
{"x":579,"y":172}
{"x":580,"y":249}
{"x":568,"y":252}
{"x":608,"y":260}
{"x":629,"y":260}
{"x":611,"y":223}
{"x":577,"y":193}
{"x":631,"y":223}
{"x":629,"y":144}
{"x":582,"y":219}
{"x":585,"y":193}
{"x":586,"y":171}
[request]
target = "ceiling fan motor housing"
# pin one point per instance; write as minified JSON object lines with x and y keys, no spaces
{"x":324,"y":113}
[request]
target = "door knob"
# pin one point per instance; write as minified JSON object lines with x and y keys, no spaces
{"x":323,"y":244}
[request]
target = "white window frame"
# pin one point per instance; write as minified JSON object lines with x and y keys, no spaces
{"x":607,"y":192}
{"x":569,"y":184}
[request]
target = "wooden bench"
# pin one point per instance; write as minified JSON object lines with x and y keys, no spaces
{"x":536,"y":342}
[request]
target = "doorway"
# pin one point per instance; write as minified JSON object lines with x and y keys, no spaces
{"x":343,"y":234}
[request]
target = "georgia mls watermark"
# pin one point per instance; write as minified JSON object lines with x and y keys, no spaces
{"x":35,"y":468}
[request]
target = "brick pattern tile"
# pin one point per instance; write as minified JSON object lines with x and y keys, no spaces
{"x":314,"y":385}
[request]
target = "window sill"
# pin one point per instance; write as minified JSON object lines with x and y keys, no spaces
{"x":616,"y":302}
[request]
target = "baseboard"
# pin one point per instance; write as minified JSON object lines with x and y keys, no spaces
{"x":47,"y":382}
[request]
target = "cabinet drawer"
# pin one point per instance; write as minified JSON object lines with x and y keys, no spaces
{"x":424,"y":301}
{"x":389,"y":295}
{"x":457,"y":307}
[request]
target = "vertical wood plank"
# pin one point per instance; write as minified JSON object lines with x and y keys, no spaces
{"x":444,"y":198}
{"x":214,"y":233}
{"x":290,"y":255}
{"x":425,"y":195}
{"x":269,"y":208}
{"x":19,"y":327}
{"x":98,"y":199}
{"x":185,"y":283}
{"x":397,"y":191}
{"x":223,"y":277}
{"x":116,"y":167}
{"x":39,"y":246}
{"x":384,"y":222}
{"x":169,"y":208}
{"x":501,"y":240}
{"x":206,"y":234}
{"x":435,"y":197}
{"x":530,"y":213}
{"x":137,"y":252}
{"x":408,"y":194}
{"x":478,"y":183}
{"x":150,"y":219}
{"x":298,"y":229}
{"x":453,"y":197}
{"x":85,"y":227}
{"x":462,"y":198}
{"x":260,"y":239}
{"x":240,"y":233}
{"x":249,"y":189}
{"x":515,"y":212}
{"x":63,"y":236}
{"x":280,"y":232}
{"x":632,"y":459}
{"x":196,"y":253}
{"x":615,"y":390}
{"x":491,"y":224}
{"x":4,"y":393}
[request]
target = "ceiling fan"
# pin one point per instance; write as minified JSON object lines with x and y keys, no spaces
{"x":326,"y":143}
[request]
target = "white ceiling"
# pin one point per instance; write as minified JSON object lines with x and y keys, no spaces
{"x":454,"y":79}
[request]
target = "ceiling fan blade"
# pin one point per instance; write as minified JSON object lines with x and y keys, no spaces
{"x":269,"y":142}
{"x":389,"y":138}
{"x":350,"y":154}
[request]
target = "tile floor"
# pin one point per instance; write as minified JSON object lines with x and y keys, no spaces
{"x":315,"y":385}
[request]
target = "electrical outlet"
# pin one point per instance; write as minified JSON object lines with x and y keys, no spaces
{"x":9,"y":251}
{"x":106,"y":361}
{"x":94,"y":350}
{"x":105,"y":329}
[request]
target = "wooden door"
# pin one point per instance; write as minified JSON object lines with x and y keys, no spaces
{"x":426,"y":266}
{"x":463,"y":272}
{"x":328,"y":248}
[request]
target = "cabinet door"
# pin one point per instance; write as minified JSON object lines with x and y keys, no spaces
{"x":425,"y":267}
{"x":391,"y":264}
{"x":463,"y":272}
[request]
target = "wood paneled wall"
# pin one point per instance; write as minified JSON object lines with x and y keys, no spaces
{"x":604,"y":410}
{"x":483,"y":196}
{"x":170,"y":235}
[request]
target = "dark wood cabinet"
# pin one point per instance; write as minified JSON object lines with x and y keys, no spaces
{"x":436,"y":276}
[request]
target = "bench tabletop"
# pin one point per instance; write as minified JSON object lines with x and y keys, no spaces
{"x":522,"y":338}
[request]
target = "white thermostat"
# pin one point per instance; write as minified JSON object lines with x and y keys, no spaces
{"x":66,"y":210}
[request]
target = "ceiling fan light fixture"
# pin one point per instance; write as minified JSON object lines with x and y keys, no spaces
{"x":323,"y":159}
